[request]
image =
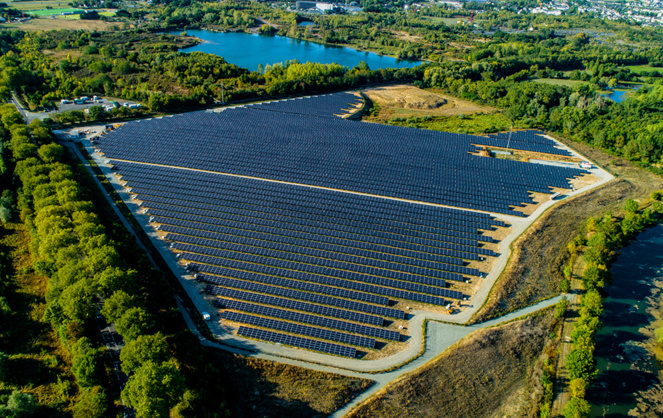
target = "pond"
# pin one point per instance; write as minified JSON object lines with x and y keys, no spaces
{"x":618,"y":95}
{"x":627,"y":366}
{"x":250,"y":50}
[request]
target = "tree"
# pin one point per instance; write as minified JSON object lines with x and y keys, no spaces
{"x":51,"y":153}
{"x":631,"y":206}
{"x":92,"y":404}
{"x":581,"y":364}
{"x":118,"y":303}
{"x":85,"y":363}
{"x":98,"y":113}
{"x":145,"y":348}
{"x":578,"y":387}
{"x":577,"y":408}
{"x":134,"y":322}
{"x":592,"y":304}
{"x":19,"y":405}
{"x":154,"y":389}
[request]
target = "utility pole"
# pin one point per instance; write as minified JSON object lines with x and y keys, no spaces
{"x":509,"y":141}
{"x":223,"y":100}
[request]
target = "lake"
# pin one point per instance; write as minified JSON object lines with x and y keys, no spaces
{"x":250,"y":50}
{"x":626,"y":363}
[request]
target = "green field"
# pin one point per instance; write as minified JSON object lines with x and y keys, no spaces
{"x":559,"y":82}
{"x":52,"y":12}
{"x":472,"y":124}
{"x":38,"y":4}
{"x":638,"y":69}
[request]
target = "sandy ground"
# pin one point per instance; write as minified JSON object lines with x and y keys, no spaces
{"x":419,"y":102}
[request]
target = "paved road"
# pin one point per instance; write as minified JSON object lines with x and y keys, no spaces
{"x":439,"y":335}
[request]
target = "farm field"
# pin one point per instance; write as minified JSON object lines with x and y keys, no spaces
{"x":305,"y":238}
{"x":38,"y":4}
{"x":644,"y":68}
{"x":58,"y":23}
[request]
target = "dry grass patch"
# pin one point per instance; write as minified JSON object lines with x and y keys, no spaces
{"x":472,"y":379}
{"x":406,"y":101}
{"x":50,"y":23}
{"x":262,"y":388}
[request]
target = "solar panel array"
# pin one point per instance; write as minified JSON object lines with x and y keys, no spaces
{"x":277,"y":141}
{"x":523,"y":140}
{"x":317,"y":262}
{"x":309,"y":344}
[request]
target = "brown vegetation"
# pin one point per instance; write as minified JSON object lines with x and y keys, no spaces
{"x":472,"y":379}
{"x":262,"y":388}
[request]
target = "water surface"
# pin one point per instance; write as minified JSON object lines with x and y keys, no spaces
{"x":623,"y":346}
{"x":250,"y":50}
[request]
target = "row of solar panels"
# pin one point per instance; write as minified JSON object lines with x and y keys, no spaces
{"x":423,"y":247}
{"x":324,"y":279}
{"x":304,"y":296}
{"x":319,"y":270}
{"x":292,"y":340}
{"x":321,"y":226}
{"x":296,"y":305}
{"x":304,"y":318}
{"x":323,"y":334}
{"x":334,"y":245}
{"x":335,"y":260}
{"x":382,"y":208}
{"x":208,"y":189}
{"x":221,"y":201}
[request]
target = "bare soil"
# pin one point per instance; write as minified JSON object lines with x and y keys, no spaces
{"x":472,"y":379}
{"x":418,"y":102}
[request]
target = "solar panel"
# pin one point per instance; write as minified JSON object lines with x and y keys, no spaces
{"x":294,"y":341}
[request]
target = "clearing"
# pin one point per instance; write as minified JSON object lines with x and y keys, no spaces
{"x":559,"y":82}
{"x":402,"y":101}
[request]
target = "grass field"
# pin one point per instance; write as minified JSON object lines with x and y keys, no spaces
{"x":484,"y":375}
{"x":53,"y":12}
{"x":638,"y":69}
{"x":559,"y":82}
{"x":403,"y":101}
{"x":261,"y":388}
{"x":57,"y":23}
{"x":38,"y":4}
{"x":473,"y":124}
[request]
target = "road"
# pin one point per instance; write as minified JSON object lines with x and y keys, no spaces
{"x":442,"y":330}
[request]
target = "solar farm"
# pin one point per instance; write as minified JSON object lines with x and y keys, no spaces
{"x":317,"y":232}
